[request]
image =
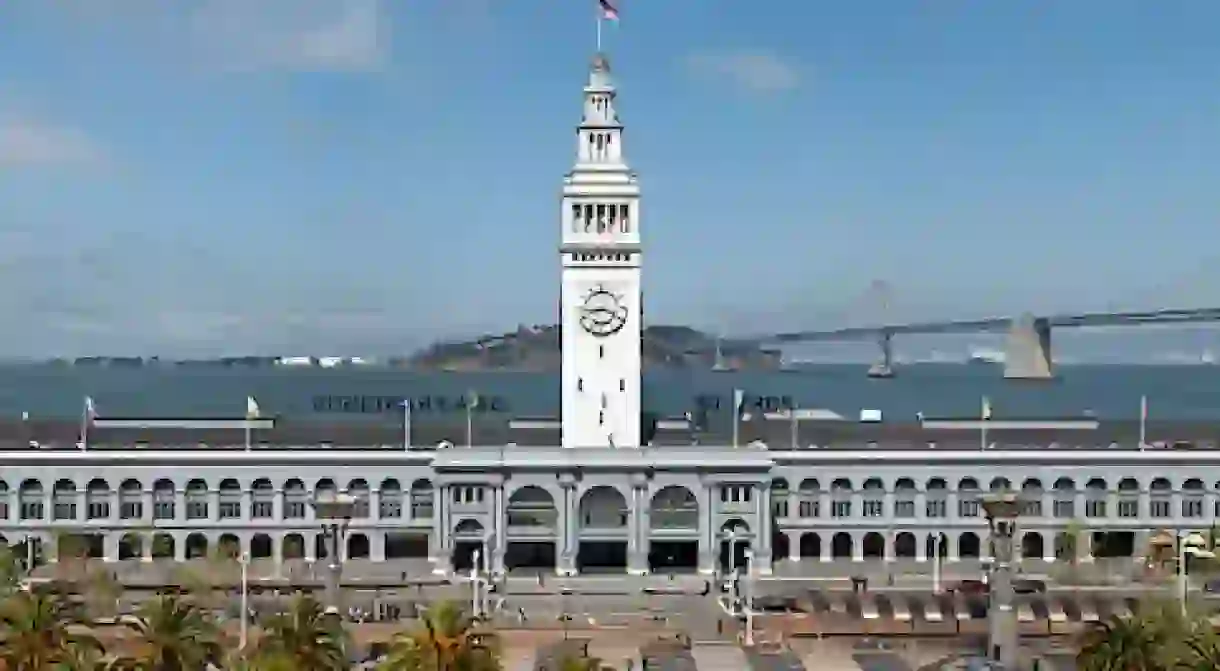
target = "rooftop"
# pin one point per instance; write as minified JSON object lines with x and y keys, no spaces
{"x":489,"y":430}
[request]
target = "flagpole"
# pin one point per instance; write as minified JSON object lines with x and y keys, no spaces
{"x":599,"y":30}
{"x":738,"y":397}
{"x":986,"y":417}
{"x":406,"y":424}
{"x":1143,"y":421}
{"x":252,"y":413}
{"x":84,"y":427}
{"x":470,"y":401}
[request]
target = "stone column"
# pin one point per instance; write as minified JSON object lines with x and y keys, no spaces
{"x":438,"y":541}
{"x":110,"y":547}
{"x":499,"y":526}
{"x":637,"y":525}
{"x":762,"y":535}
{"x":707,"y":530}
{"x":147,"y":504}
{"x":565,"y":547}
{"x":376,"y":545}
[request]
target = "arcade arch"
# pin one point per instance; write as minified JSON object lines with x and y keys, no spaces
{"x":469,"y":540}
{"x":603,"y":528}
{"x":735,"y":541}
{"x":674,"y":530}
{"x":533,"y":521}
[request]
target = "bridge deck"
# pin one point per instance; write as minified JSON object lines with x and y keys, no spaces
{"x":986,"y":324}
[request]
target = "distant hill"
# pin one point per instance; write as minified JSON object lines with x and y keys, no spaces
{"x":537,"y":348}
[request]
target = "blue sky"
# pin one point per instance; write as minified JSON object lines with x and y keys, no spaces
{"x":211,"y":176}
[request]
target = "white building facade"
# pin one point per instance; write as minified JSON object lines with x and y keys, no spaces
{"x":649,"y":509}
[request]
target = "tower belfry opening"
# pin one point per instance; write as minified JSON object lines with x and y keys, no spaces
{"x":600,"y":296}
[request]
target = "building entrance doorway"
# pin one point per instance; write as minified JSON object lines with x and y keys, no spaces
{"x":602,"y":557}
{"x":529,"y":555}
{"x":733,"y":555}
{"x":463,"y":555}
{"x":673,"y":556}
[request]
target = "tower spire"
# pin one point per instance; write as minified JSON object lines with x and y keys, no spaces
{"x":600,"y":130}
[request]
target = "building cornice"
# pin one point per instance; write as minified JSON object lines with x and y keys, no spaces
{"x":548,"y":458}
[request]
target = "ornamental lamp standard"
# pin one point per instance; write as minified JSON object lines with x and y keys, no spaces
{"x":1002,"y":511}
{"x":244,"y":560}
{"x":747,"y":600}
{"x":335,"y":511}
{"x":1189,"y":545}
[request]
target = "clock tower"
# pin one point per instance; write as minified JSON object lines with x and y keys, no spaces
{"x":600,"y":296}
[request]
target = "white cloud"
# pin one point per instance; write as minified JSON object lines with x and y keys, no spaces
{"x":28,"y":142}
{"x":301,"y":35}
{"x":759,"y":71}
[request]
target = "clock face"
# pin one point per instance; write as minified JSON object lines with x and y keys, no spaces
{"x":603,"y":313}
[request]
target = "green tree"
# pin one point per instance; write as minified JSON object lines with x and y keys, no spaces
{"x":37,"y":632}
{"x":445,"y":639}
{"x":175,"y":635}
{"x":1157,"y":638}
{"x":579,"y":663}
{"x":313,"y":639}
{"x":1073,"y":536}
{"x":10,"y":571}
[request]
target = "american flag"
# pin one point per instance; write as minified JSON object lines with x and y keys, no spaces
{"x":609,"y":12}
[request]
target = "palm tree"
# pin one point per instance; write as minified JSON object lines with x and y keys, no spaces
{"x":10,"y":571}
{"x":308,"y":636}
{"x":1157,"y":638}
{"x":445,"y":639}
{"x":1202,"y":651}
{"x":261,"y":662}
{"x":175,"y":635}
{"x":84,"y":657}
{"x":579,"y":663}
{"x":36,"y":632}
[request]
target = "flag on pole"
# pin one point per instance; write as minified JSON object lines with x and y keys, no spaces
{"x":609,"y":11}
{"x":90,"y":410}
{"x":986,"y":408}
{"x":252,"y":409}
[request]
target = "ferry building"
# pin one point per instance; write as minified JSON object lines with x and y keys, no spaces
{"x":597,"y":489}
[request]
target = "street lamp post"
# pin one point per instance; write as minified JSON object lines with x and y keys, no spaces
{"x":937,"y":548}
{"x":1002,"y":511}
{"x":336,"y":512}
{"x":732,"y":539}
{"x":1189,"y":545}
{"x":475,"y":602}
{"x":244,"y":560}
{"x":747,"y":601}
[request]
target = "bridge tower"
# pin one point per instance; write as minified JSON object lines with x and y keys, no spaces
{"x":600,"y":298}
{"x":1028,"y":353}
